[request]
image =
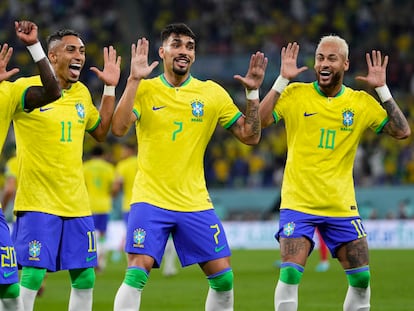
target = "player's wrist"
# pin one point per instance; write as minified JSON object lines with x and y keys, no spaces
{"x":384,"y":93}
{"x":280,"y":84}
{"x":36,"y":51}
{"x":109,"y":90}
{"x":252,"y":94}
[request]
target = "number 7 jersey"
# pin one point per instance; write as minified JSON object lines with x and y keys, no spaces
{"x":173,"y":129}
{"x":323,"y":134}
{"x":49,"y":149}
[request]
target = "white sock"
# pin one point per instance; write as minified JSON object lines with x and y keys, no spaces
{"x":127,"y":298}
{"x":28,"y":297}
{"x":222,"y":301}
{"x":11,"y":304}
{"x":286,"y":297}
{"x":80,"y":299}
{"x":357,"y":299}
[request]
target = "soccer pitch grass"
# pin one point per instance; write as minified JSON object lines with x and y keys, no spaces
{"x":255,"y":280}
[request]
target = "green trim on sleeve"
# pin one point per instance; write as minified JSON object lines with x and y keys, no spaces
{"x":233,"y":120}
{"x":381,"y":126}
{"x":136,"y":113}
{"x":95,"y":126}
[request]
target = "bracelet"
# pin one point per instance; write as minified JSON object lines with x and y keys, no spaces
{"x":109,"y":90}
{"x":383,"y":93}
{"x":36,"y":51}
{"x":280,"y":84}
{"x":252,"y":94}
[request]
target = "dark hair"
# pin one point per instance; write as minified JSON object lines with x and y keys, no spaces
{"x":58,"y":35}
{"x":177,"y":28}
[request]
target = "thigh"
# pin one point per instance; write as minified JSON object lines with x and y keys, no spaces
{"x":341,"y":231}
{"x":78,"y":248}
{"x":8,"y":267}
{"x":354,"y":254}
{"x":37,"y":239}
{"x":199,"y":237}
{"x":147,"y":232}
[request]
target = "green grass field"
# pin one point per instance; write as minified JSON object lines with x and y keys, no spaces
{"x":255,"y":279}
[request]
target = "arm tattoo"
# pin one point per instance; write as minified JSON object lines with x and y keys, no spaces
{"x":397,"y":122}
{"x":252,"y":117}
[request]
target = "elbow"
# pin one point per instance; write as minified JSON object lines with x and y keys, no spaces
{"x":404,"y":134}
{"x":117,"y":132}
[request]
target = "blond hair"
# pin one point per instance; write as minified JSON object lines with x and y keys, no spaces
{"x":341,"y":43}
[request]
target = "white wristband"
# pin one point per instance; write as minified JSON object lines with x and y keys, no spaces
{"x":383,"y":93}
{"x":280,"y":84}
{"x":36,"y":51}
{"x":252,"y":94}
{"x":109,"y":90}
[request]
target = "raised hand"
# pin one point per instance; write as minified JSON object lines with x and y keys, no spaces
{"x":376,"y":69}
{"x":139,"y":60}
{"x":112,"y":67}
{"x":5,"y":55}
{"x":256,"y":72}
{"x":26,"y":31}
{"x":288,"y":61}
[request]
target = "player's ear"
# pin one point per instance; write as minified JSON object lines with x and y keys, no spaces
{"x":161,"y":52}
{"x":346,"y":65}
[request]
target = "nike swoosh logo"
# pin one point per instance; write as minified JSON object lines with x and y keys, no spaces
{"x":88,"y":259}
{"x":309,"y":114}
{"x":7,"y":274}
{"x":45,"y":109}
{"x":157,"y":108}
{"x":219,"y":249}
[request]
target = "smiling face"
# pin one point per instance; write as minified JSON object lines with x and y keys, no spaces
{"x":331,"y":62}
{"x":178,"y":54}
{"x":67,"y":57}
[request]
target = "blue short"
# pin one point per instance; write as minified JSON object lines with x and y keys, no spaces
{"x":54,"y":242}
{"x":335,"y":231}
{"x":8,"y":269}
{"x":198,"y":236}
{"x":101,"y":222}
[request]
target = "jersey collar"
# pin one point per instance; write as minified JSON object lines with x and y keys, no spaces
{"x":164,"y":81}
{"x":316,"y":86}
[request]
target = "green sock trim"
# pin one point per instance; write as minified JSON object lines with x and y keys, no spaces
{"x":290,"y":275}
{"x":359,"y":279}
{"x":82,"y":278}
{"x":32,"y":277}
{"x":136,"y":277}
{"x":9,"y":290}
{"x":222,"y":282}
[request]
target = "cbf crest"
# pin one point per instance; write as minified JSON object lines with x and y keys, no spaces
{"x":197,"y":109}
{"x":80,"y":109}
{"x":34,"y":250}
{"x":347,"y":117}
{"x":289,"y":228}
{"x":139,"y":237}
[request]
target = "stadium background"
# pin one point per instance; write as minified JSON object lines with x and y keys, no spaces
{"x":244,"y":181}
{"x":228,"y":32}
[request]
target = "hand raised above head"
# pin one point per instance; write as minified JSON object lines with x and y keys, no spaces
{"x":139,"y":60}
{"x":112,"y":67}
{"x":288,"y":61}
{"x":5,"y":55}
{"x":376,"y":69}
{"x":26,"y":31}
{"x":255,"y":73}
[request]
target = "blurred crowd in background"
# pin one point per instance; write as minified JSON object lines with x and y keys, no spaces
{"x":228,"y":31}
